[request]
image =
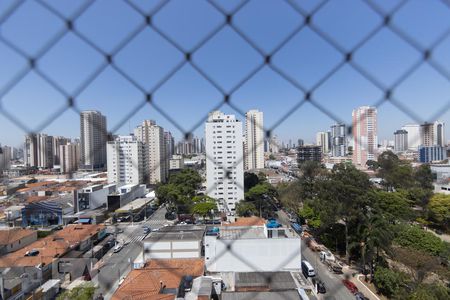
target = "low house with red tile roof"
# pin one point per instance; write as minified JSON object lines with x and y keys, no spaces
{"x":160,"y":279}
{"x":72,"y":237}
{"x":13,"y":239}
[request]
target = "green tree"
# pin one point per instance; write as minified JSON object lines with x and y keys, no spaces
{"x":188,"y":181}
{"x":312,"y":217}
{"x":416,"y":238}
{"x":250,"y":180}
{"x":424,"y":177}
{"x":272,"y":157}
{"x":245,"y":209}
{"x":262,"y":196}
{"x":204,"y":208}
{"x":387,"y":281}
{"x":372,"y":165}
{"x":430,"y":292}
{"x":341,"y":197}
{"x":83,"y":292}
{"x":394,"y":205}
{"x":439,"y":210}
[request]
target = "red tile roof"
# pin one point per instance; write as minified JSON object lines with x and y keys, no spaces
{"x":145,"y":284}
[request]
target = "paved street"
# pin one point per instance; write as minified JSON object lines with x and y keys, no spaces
{"x":116,"y":266}
{"x":333,"y":282}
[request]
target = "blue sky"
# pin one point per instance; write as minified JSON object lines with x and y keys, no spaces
{"x":227,"y":59}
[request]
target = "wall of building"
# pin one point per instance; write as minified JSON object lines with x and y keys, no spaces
{"x":172,"y":249}
{"x":247,"y":255}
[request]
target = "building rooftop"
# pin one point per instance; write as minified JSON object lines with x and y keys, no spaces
{"x":248,"y":221}
{"x":135,"y":204}
{"x":280,"y":295}
{"x":50,"y":247}
{"x":11,"y":235}
{"x":267,"y":281}
{"x":147,"y":283}
{"x":178,"y":232}
{"x":242,"y":233}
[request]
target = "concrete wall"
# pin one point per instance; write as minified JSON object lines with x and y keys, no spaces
{"x":246,"y":255}
{"x":25,"y":241}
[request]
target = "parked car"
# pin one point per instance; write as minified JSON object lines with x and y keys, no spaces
{"x":360,"y":296}
{"x":117,"y":248}
{"x":350,"y":286}
{"x":32,"y":252}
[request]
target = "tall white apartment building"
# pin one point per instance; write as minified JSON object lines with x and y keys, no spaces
{"x":152,"y":136}
{"x":414,"y":139}
{"x":126,"y":161}
{"x":93,"y":140}
{"x":323,"y":140}
{"x":224,"y":163}
{"x":365,"y":138}
{"x":254,"y":140}
{"x":69,"y":157}
{"x":57,"y":142}
{"x":30,"y":150}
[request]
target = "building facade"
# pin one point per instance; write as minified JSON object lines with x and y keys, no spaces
{"x":126,"y":161}
{"x":30,"y":150}
{"x":45,"y":155}
{"x":401,"y":140}
{"x":432,"y":153}
{"x":323,"y":140}
{"x":5,"y":158}
{"x":157,"y":161}
{"x":338,"y":140}
{"x":432,"y":134}
{"x":94,"y":136}
{"x":57,"y":142}
{"x":254,"y":140}
{"x":224,"y":166}
{"x":309,"y":153}
{"x":414,"y":139}
{"x":365,"y":138}
{"x":69,"y":157}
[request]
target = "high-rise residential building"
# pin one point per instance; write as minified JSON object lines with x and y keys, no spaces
{"x":432,"y":134}
{"x":69,"y":157}
{"x":170,"y":143}
{"x":5,"y":158}
{"x":58,"y":141}
{"x":254,"y":140}
{"x":365,"y":138}
{"x":323,"y":140}
{"x":400,"y":140}
{"x":224,"y":166}
{"x":93,"y":140}
{"x":152,"y":136}
{"x":274,"y":144}
{"x":338,"y":140}
{"x":30,"y":150}
{"x":414,"y":139}
{"x":44,"y":151}
{"x":300,"y":142}
{"x":309,"y":153}
{"x":432,"y":153}
{"x":126,"y":158}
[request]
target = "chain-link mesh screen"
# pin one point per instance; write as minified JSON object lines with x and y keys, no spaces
{"x":75,"y":52}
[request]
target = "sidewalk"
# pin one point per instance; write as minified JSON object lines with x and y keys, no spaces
{"x":358,"y":280}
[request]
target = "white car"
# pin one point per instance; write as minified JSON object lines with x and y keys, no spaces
{"x":117,"y":248}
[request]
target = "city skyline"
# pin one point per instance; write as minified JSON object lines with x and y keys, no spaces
{"x":187,"y":97}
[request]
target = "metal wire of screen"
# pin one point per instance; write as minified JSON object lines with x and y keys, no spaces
{"x":307,"y":94}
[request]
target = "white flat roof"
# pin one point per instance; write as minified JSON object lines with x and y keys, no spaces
{"x":135,"y":204}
